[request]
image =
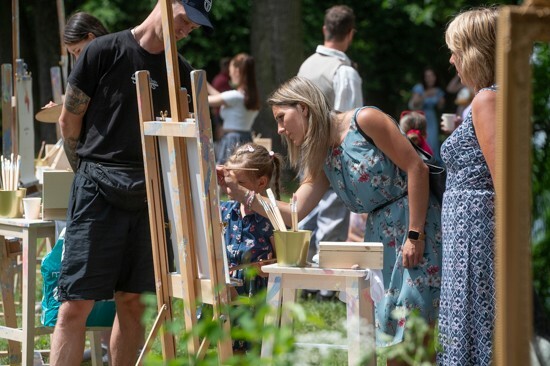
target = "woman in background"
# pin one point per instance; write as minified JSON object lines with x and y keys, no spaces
{"x":430,"y":98}
{"x":239,"y":107}
{"x":81,"y":29}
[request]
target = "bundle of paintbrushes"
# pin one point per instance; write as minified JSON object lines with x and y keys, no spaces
{"x":10,"y":173}
{"x":272,"y":211}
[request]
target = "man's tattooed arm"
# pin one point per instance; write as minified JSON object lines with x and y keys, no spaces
{"x":69,"y":144}
{"x":76,"y":103}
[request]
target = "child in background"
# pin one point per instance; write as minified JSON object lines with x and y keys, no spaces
{"x":249,"y":235}
{"x":413,"y":124}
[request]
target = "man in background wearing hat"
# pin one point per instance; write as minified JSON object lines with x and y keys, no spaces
{"x":107,"y":242}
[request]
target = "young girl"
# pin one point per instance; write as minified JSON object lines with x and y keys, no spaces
{"x":249,"y":235}
{"x":239,"y":107}
{"x":413,"y":124}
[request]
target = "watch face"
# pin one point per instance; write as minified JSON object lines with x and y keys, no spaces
{"x":414,"y":235}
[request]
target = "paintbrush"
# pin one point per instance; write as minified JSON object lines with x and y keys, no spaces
{"x":294,"y":212}
{"x":269,"y":212}
{"x":276,"y":210}
{"x":250,"y":169}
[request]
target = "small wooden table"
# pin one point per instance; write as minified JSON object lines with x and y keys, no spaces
{"x":284,"y":281}
{"x":29,"y":231}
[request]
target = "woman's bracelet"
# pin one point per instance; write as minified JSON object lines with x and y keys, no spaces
{"x":249,"y":197}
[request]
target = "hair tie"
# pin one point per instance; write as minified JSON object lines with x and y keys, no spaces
{"x":271,"y":153}
{"x":249,"y":148}
{"x":415,"y":132}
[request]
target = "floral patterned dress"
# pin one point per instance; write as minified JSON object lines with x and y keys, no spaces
{"x":468,"y":289}
{"x":247,"y":240}
{"x":368,"y":181}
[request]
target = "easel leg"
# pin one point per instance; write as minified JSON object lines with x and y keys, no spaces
{"x":95,"y":347}
{"x":28,"y":295}
{"x":7,"y":265}
{"x":274,"y":299}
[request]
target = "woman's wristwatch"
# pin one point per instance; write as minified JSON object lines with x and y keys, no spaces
{"x":415,"y":235}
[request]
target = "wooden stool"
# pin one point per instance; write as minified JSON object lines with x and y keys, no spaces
{"x":22,"y":242}
{"x":284,"y":281}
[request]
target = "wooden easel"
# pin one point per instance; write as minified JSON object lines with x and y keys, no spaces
{"x":182,"y":152}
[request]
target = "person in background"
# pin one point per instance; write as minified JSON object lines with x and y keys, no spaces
{"x":239,"y":107}
{"x":81,"y":29}
{"x":357,"y":223}
{"x":107,"y":249}
{"x":467,"y":314}
{"x":331,"y":70}
{"x":374,"y":169}
{"x":428,"y":97}
{"x":413,"y":124}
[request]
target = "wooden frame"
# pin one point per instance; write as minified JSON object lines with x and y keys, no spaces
{"x":518,"y":28}
{"x":181,"y":151}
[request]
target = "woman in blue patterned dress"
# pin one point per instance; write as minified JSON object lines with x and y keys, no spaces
{"x":467,"y":312}
{"x":373,"y":168}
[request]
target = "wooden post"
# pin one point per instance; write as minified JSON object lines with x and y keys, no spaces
{"x":7,"y":110}
{"x":518,"y":28}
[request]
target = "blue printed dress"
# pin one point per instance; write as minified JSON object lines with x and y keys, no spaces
{"x":247,"y":240}
{"x":467,"y":314}
{"x":366,"y":179}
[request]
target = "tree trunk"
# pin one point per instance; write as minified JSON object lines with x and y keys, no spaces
{"x":276,"y":37}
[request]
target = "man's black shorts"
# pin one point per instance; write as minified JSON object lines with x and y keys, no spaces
{"x":106,"y":249}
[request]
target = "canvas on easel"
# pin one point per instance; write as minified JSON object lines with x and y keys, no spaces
{"x":181,"y":181}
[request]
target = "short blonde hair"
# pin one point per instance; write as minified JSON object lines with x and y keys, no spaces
{"x":471,"y":37}
{"x":310,"y":156}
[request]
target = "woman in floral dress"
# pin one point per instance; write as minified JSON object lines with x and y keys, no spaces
{"x":373,"y":168}
{"x":468,"y":286}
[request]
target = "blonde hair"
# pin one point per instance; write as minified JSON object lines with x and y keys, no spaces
{"x":308,"y":158}
{"x":471,"y":37}
{"x":268,"y":163}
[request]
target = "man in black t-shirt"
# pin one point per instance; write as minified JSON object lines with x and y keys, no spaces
{"x":107,"y":242}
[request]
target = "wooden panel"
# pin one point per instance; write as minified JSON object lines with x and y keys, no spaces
{"x":518,"y":28}
{"x":25,"y":124}
{"x":57,"y":88}
{"x":210,"y":201}
{"x":7,"y":110}
{"x":175,"y":129}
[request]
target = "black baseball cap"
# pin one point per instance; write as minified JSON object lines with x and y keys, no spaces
{"x":197,"y":11}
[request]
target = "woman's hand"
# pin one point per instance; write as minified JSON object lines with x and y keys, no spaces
{"x":413,"y":252}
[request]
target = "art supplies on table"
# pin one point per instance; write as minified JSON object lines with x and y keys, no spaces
{"x":10,"y":172}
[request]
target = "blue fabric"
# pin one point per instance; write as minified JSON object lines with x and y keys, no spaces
{"x":365,"y":178}
{"x":467,"y":314}
{"x":432,"y":121}
{"x":247,"y":240}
